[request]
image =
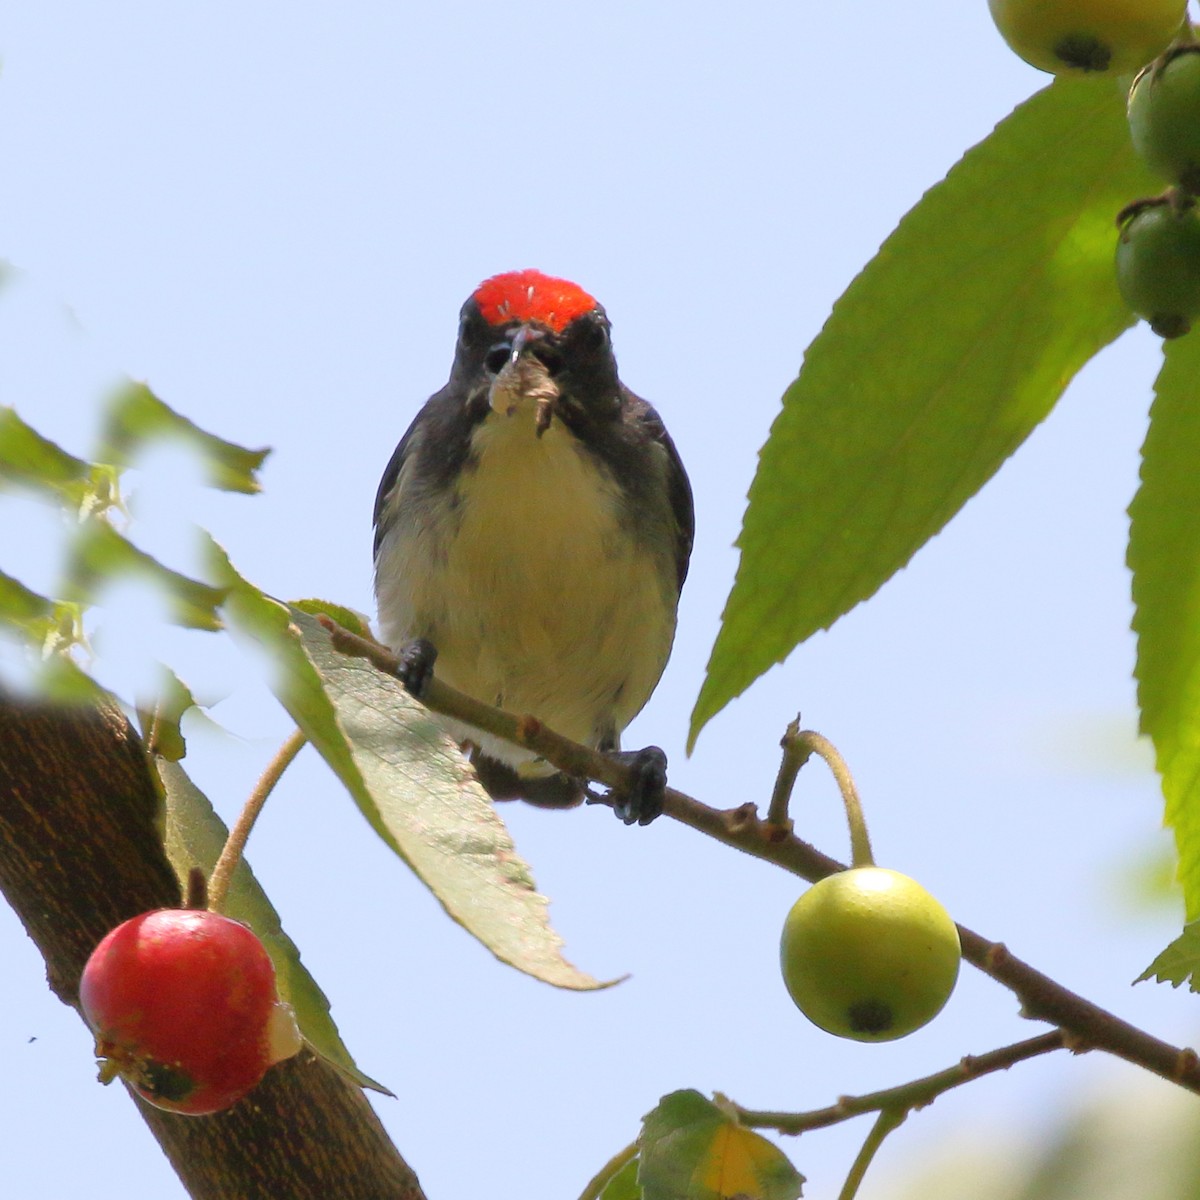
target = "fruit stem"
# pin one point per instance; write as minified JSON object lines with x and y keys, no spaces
{"x":798,"y":747}
{"x":235,"y":844}
{"x":197,"y":890}
{"x":888,"y":1120}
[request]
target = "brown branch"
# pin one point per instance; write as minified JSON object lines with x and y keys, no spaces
{"x":916,"y":1094}
{"x":79,"y":853}
{"x":1087,"y":1025}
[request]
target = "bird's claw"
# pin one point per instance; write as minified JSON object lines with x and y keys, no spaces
{"x":415,"y":665}
{"x":642,"y":800}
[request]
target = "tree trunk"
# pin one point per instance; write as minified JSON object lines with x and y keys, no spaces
{"x":80,"y":853}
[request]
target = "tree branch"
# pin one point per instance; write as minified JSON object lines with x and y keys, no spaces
{"x":80,"y":852}
{"x":907,"y":1096}
{"x":1086,"y":1025}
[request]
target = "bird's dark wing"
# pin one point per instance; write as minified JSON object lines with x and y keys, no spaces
{"x":390,"y":475}
{"x":679,"y":489}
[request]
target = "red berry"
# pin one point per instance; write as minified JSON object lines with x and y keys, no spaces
{"x":184,"y":1008}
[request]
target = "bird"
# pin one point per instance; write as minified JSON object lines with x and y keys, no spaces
{"x":533,"y":530}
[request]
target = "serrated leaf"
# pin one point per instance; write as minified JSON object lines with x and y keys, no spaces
{"x":172,"y":698}
{"x":423,"y":799}
{"x":100,"y":556}
{"x":48,"y":625}
{"x":137,"y":417}
{"x":692,"y":1149}
{"x":1164,"y":555}
{"x":936,"y":363}
{"x":33,"y":462}
{"x":410,"y":782}
{"x":194,"y":837}
{"x":48,"y":629}
{"x":1179,"y":962}
{"x":21,"y":606}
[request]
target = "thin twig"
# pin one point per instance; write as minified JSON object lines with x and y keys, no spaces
{"x":1042,"y":999}
{"x":915,"y":1094}
{"x":235,"y":844}
{"x":795,"y":755}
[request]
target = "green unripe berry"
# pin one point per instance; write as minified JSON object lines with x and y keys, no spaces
{"x":1072,"y":37}
{"x":1164,"y":117}
{"x":869,"y":954}
{"x":1158,"y":263}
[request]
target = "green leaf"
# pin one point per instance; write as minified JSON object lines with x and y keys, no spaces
{"x":137,"y":417}
{"x":100,"y":556}
{"x":423,"y":799}
{"x":44,"y":625}
{"x":194,"y":837}
{"x":936,"y":363}
{"x":410,"y":782}
{"x":692,"y":1149}
{"x":19,"y":604}
{"x":48,"y":629}
{"x":162,"y":727}
{"x":1164,"y":555}
{"x":623,"y":1185}
{"x":1179,"y":962}
{"x":35,"y":463}
{"x":347,"y":618}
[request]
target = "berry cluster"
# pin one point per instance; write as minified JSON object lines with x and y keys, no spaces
{"x":1158,"y":247}
{"x":1158,"y":251}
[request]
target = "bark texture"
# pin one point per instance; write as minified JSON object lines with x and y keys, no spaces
{"x":80,"y":853}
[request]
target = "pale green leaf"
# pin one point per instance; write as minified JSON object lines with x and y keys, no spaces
{"x":163,"y":725}
{"x":101,"y":556}
{"x":32,"y":462}
{"x":623,"y":1185}
{"x":1164,"y":555}
{"x":137,"y":417}
{"x":347,"y":618}
{"x":46,"y":630}
{"x":194,"y":837}
{"x":692,"y":1149}
{"x":409,"y":780}
{"x":423,"y":799}
{"x":1179,"y":962}
{"x":937,"y":362}
{"x":21,"y":606}
{"x":48,"y":626}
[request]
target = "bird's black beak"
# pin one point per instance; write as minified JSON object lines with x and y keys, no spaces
{"x":524,"y":382}
{"x":527,"y":335}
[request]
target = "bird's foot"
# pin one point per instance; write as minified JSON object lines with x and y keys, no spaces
{"x":642,"y":800}
{"x":416,"y":658}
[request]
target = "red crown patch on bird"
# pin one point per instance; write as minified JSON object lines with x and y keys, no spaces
{"x":532,"y":296}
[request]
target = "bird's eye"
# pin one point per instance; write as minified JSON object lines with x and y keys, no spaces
{"x":593,"y":336}
{"x":496,"y":358}
{"x":472,"y":329}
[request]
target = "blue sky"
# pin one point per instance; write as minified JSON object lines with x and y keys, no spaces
{"x":271,"y":214}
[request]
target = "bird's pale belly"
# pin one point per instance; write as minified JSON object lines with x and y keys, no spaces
{"x":544,"y":602}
